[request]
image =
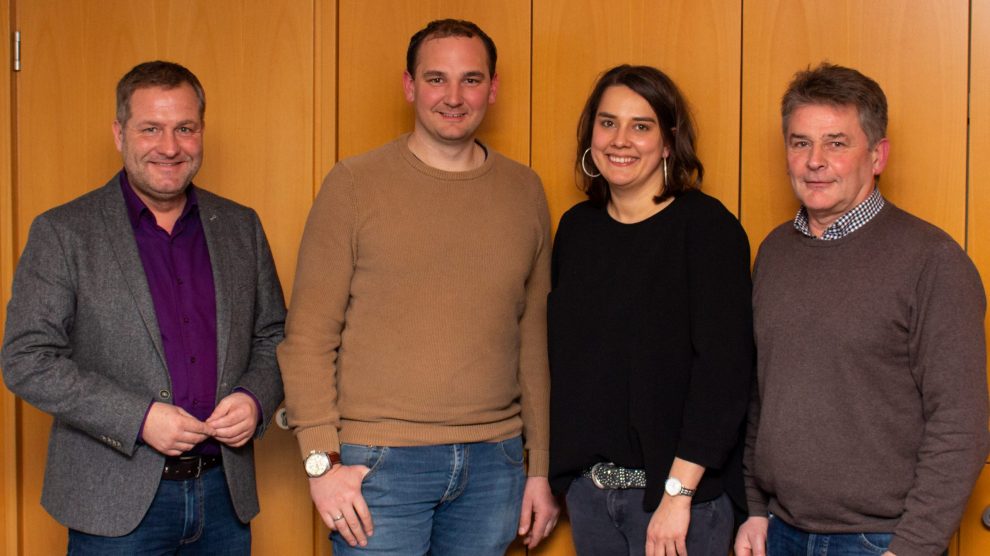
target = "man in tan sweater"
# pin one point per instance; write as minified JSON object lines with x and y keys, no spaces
{"x":415,"y":361}
{"x":869,"y":426}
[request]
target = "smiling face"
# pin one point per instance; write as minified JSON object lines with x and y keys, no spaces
{"x":161,"y":143}
{"x":830,"y":161}
{"x":451,"y":89}
{"x":627,"y":145}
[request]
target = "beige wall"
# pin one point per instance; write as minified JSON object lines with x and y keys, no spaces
{"x":293,"y":86}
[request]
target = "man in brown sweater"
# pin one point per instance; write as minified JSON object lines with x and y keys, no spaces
{"x":415,"y":360}
{"x":869,"y":425}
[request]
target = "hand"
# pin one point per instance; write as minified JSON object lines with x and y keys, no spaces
{"x":888,"y":553}
{"x":667,"y":533}
{"x":234,"y":419}
{"x":539,"y":511}
{"x":172,"y":431}
{"x":338,"y":493}
{"x":751,"y":540}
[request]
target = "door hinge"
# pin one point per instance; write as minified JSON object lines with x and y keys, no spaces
{"x":17,"y":51}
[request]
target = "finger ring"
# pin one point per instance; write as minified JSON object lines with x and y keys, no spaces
{"x":339,"y":517}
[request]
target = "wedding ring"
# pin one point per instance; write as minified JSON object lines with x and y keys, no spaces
{"x":339,"y":517}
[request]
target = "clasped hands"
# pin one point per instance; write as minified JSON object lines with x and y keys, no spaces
{"x":172,"y":430}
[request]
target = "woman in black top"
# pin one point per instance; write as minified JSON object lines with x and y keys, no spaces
{"x":650,"y":329}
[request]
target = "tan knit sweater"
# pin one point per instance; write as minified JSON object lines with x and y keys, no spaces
{"x":418,"y":313}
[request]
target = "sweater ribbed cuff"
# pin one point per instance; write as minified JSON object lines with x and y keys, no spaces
{"x":321,"y":439}
{"x":539,"y":463}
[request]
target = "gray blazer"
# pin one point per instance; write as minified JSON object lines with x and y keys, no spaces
{"x":82,"y":343}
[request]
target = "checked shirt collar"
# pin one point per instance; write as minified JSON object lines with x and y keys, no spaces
{"x":848,"y":222}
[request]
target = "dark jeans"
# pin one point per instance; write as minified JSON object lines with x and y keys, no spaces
{"x":613,"y":522}
{"x":189,"y":517}
{"x":785,"y":540}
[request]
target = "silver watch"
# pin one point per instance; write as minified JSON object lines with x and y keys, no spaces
{"x":318,"y":463}
{"x":674,"y":487}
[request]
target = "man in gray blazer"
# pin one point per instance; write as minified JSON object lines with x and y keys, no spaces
{"x":144,"y":318}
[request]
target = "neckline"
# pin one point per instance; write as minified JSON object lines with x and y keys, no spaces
{"x":651,"y":218}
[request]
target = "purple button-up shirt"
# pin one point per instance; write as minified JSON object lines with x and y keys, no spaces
{"x":180,"y":278}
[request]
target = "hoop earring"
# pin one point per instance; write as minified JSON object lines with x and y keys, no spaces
{"x":585,"y":168}
{"x":665,"y":172}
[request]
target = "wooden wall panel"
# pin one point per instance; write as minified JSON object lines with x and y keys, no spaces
{"x":8,"y":404}
{"x":974,"y":536}
{"x":259,"y":151}
{"x":916,"y":50}
{"x":978,"y":240}
{"x":696,"y":43}
{"x":372,"y":109}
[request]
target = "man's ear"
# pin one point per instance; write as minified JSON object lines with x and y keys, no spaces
{"x":118,"y":135}
{"x":494,"y":89}
{"x":409,"y":86}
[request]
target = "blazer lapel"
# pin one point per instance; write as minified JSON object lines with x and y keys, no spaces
{"x":212,"y":220}
{"x":120,"y":237}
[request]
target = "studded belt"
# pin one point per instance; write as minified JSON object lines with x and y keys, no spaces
{"x":611,"y":476}
{"x":183,"y":468}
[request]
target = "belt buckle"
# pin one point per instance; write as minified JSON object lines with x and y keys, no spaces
{"x":600,"y":466}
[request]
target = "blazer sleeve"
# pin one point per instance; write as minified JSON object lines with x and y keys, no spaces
{"x":262,"y":377}
{"x":39,"y":362}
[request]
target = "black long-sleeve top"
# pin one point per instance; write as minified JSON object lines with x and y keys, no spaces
{"x":651,"y":344}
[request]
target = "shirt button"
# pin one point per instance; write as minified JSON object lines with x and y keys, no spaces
{"x":164,"y":394}
{"x":185,"y":320}
{"x":180,"y":281}
{"x":192,"y":359}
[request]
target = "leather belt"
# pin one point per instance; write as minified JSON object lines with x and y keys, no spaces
{"x":611,"y":476}
{"x":189,"y":467}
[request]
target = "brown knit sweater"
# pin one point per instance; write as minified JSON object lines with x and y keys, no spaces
{"x":418,"y":313}
{"x":872,"y":406}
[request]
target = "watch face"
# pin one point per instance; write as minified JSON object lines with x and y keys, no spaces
{"x":672,"y":487}
{"x":317,"y":464}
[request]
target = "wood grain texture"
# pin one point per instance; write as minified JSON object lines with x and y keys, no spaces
{"x":695,"y":42}
{"x":974,"y":538}
{"x":9,"y":517}
{"x":915,"y":50}
{"x":372,"y":109}
{"x":978,"y":238}
{"x":256,"y":62}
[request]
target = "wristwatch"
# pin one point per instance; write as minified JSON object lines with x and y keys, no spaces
{"x":674,"y":487}
{"x":318,"y":463}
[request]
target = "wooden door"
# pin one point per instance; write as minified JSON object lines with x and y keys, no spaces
{"x":256,"y":62}
{"x":8,"y":405}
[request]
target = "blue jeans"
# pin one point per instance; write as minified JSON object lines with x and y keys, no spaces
{"x":452,"y":499}
{"x":612,"y":522}
{"x":189,"y":517}
{"x":786,"y":540}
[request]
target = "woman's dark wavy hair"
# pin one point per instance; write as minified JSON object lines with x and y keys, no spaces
{"x":684,"y":169}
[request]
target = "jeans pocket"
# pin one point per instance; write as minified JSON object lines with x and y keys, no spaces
{"x":372,"y":457}
{"x":876,"y":542}
{"x":512,"y":450}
